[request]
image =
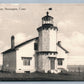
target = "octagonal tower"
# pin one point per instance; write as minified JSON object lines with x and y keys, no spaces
{"x":47,"y":44}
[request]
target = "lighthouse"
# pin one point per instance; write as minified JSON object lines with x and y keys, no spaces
{"x":42,"y":54}
{"x":47,"y":52}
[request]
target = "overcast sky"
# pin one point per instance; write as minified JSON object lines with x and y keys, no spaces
{"x":23,"y":24}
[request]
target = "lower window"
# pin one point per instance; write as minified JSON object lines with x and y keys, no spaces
{"x":26,"y":60}
{"x":60,"y":61}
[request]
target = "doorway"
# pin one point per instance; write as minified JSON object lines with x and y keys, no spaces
{"x":52,"y":63}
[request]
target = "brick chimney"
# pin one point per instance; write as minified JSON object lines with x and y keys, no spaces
{"x":12,"y":42}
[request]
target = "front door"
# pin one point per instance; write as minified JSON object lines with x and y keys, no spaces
{"x":52,"y":63}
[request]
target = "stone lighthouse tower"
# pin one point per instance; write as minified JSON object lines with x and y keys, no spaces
{"x":47,"y":45}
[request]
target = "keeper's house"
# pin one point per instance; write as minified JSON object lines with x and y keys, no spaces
{"x":43,"y":53}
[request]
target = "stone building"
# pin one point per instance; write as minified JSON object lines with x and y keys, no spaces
{"x":43,"y":53}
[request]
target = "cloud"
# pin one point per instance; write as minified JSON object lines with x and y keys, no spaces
{"x":6,"y":47}
{"x":78,"y":39}
{"x":1,"y":46}
{"x":21,"y":37}
{"x":66,"y":26}
{"x":1,"y":43}
{"x":65,"y":23}
{"x":74,"y":43}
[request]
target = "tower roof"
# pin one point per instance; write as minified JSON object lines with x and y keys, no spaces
{"x":47,"y":17}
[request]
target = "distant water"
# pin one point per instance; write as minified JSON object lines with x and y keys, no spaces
{"x":76,"y":68}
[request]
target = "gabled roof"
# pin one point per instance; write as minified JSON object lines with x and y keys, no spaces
{"x":21,"y":44}
{"x":59,"y":44}
{"x":26,"y":42}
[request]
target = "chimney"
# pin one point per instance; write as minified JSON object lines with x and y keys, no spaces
{"x":12,"y":42}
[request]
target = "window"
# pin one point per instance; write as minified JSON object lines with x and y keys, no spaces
{"x":35,"y":46}
{"x":26,"y":60}
{"x":60,"y":61}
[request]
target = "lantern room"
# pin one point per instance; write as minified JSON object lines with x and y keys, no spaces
{"x":47,"y":19}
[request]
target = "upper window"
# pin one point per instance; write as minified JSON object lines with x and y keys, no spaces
{"x":35,"y":46}
{"x":26,"y":60}
{"x":60,"y":61}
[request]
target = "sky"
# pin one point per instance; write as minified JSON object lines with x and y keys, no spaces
{"x":26,"y":18}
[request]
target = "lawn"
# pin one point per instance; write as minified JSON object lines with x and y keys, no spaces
{"x":70,"y":76}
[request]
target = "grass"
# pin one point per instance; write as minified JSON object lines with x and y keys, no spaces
{"x":70,"y":76}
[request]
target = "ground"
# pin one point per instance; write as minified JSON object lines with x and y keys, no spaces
{"x":70,"y":76}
